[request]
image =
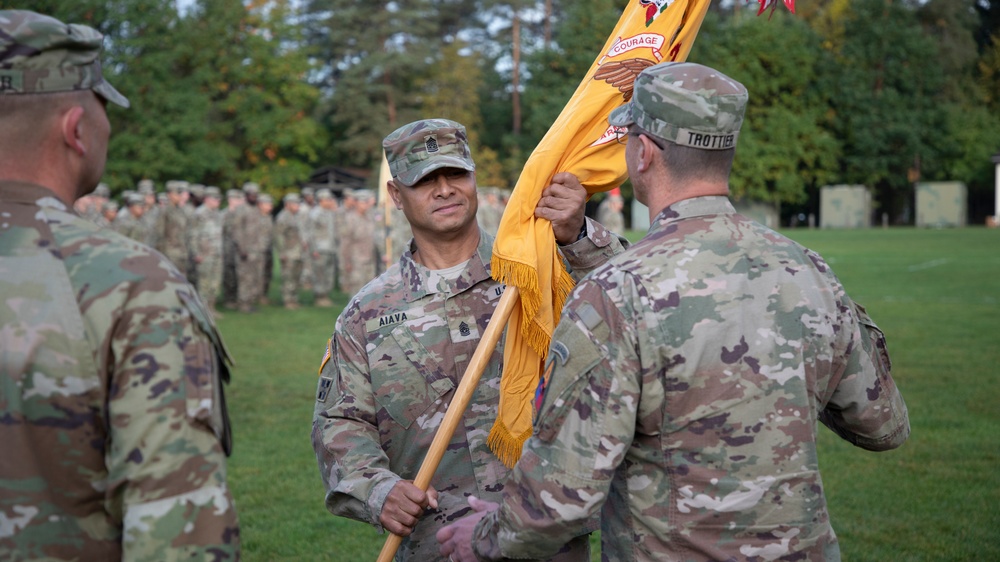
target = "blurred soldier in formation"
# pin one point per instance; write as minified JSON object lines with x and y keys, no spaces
{"x":114,"y":427}
{"x":129,"y":223}
{"x":172,"y":226}
{"x":109,"y":210}
{"x":609,"y":212}
{"x":323,"y":245}
{"x":490,"y":210}
{"x":196,"y":195}
{"x":207,"y":247}
{"x":358,"y":251}
{"x":235,"y":199}
{"x":307,"y":203}
{"x":290,"y":245}
{"x":151,"y":214}
{"x":399,"y":235}
{"x":252,"y":235}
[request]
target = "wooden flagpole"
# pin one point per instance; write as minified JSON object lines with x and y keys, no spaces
{"x":459,"y":402}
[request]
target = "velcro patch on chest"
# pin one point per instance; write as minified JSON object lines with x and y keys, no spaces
{"x":391,"y":319}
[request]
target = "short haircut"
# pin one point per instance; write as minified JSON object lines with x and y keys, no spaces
{"x":685,"y":163}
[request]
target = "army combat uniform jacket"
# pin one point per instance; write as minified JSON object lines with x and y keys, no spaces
{"x":686,"y":381}
{"x":396,"y":356}
{"x":114,"y":426}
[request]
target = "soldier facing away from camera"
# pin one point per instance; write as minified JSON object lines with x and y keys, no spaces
{"x":115,"y":431}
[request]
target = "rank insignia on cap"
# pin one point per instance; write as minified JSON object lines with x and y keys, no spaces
{"x":431,"y":144}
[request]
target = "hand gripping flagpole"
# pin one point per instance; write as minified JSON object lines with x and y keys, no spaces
{"x":459,"y":402}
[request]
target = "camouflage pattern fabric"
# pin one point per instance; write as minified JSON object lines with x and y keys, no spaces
{"x":694,"y":106}
{"x":290,"y":245}
{"x":252,"y":232}
{"x":40,"y":54}
{"x":611,"y":217}
{"x":115,"y":428}
{"x":173,"y":226}
{"x":207,"y":246}
{"x":230,"y":255}
{"x":396,"y":356}
{"x":686,"y":382}
{"x":357,"y":252}
{"x":323,"y":246}
{"x":135,"y":228}
{"x":417,"y":149}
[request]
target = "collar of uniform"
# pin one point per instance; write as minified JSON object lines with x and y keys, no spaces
{"x":20,"y":192}
{"x":694,"y":207}
{"x":415,"y":276}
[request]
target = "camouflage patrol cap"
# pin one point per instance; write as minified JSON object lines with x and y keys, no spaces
{"x":307,"y":191}
{"x":417,"y":149}
{"x":324,"y":193}
{"x":40,"y":54}
{"x":176,"y":186}
{"x":686,"y":103}
{"x":212,"y":191}
{"x":265,"y":198}
{"x":364,"y":195}
{"x":292,"y":198}
{"x":145,"y":187}
{"x":102,"y":190}
{"x":109,"y":206}
{"x":197,"y":189}
{"x":127,"y":193}
{"x":251,"y":187}
{"x":135,"y":199}
{"x":234,"y":194}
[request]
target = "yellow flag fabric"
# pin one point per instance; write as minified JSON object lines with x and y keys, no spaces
{"x":581,"y":142}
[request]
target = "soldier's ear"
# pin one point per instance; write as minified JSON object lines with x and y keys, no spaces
{"x":71,"y":127}
{"x":390,"y":186}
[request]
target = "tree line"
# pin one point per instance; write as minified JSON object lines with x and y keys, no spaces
{"x":876,"y":92}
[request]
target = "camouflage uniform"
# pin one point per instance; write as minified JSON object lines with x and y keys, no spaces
{"x":252,"y":234}
{"x":207,"y":246}
{"x":323,"y":246}
{"x":610,"y":217}
{"x":114,"y":438}
{"x":127,"y":224}
{"x":357,"y":251}
{"x":173,"y":225}
{"x":290,"y":244}
{"x":230,"y":253}
{"x":687,"y":377}
{"x":398,"y":351}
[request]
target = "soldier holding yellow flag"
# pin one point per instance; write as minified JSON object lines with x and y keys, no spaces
{"x":687,"y":376}
{"x":402,"y":343}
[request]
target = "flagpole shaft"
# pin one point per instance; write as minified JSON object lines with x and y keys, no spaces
{"x":459,"y":402}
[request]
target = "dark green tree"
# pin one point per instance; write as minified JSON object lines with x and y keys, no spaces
{"x":784,"y":148}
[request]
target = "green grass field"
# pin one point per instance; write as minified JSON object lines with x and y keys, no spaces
{"x":935,"y":293}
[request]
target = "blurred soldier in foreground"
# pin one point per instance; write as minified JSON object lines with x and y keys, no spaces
{"x":290,"y":244}
{"x":323,"y":245}
{"x":207,"y":247}
{"x":609,"y":212}
{"x":402,"y":344}
{"x":114,"y":426}
{"x":687,"y":376}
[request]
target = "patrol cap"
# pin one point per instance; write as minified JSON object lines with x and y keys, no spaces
{"x":176,"y":186}
{"x":292,"y":198}
{"x":307,"y":191}
{"x":145,"y":186}
{"x":324,"y":193}
{"x":234,"y":194}
{"x":364,"y":195}
{"x":197,"y":189}
{"x":686,"y":103}
{"x":102,"y":190}
{"x":109,"y":206}
{"x":251,"y":187}
{"x":417,"y":149}
{"x":264,"y":198}
{"x":127,"y":193}
{"x":212,"y":191}
{"x":40,"y":54}
{"x":161,"y":197}
{"x":135,"y":199}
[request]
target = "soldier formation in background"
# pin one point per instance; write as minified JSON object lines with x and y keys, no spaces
{"x":227,"y":249}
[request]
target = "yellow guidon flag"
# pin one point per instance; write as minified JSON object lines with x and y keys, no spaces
{"x":580,"y":142}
